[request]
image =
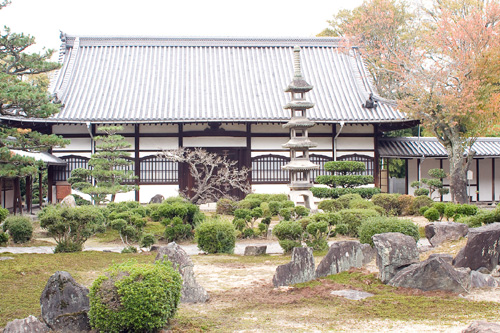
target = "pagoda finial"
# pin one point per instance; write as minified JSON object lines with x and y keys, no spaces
{"x":296,"y":61}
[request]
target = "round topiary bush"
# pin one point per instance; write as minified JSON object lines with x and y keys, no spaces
{"x":216,"y":236}
{"x":19,"y":228}
{"x":289,"y":234}
{"x":133,"y":297}
{"x":431,"y":214}
{"x":382,"y":224}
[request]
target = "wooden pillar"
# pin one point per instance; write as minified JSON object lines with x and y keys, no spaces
{"x":40,"y":189}
{"x":29,"y":197}
{"x":248,"y":154}
{"x":137,"y":160}
{"x":441,"y":167}
{"x":376,"y":162}
{"x":50,"y":182}
{"x":17,"y":200}
{"x":2,"y":203}
{"x":477,"y":179}
{"x":493,"y":179}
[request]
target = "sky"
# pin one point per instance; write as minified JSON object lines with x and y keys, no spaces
{"x":44,"y":19}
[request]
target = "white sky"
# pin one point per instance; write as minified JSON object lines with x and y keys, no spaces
{"x":43,"y":19}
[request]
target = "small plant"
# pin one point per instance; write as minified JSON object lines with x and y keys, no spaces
{"x":129,"y":249}
{"x":4,"y":238}
{"x":216,"y":236}
{"x":427,"y":186}
{"x":133,"y":297}
{"x":4,"y":212}
{"x":148,"y":240}
{"x":382,"y":224}
{"x":19,"y":228}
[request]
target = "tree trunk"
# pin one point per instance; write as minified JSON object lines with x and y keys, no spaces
{"x":459,"y":164}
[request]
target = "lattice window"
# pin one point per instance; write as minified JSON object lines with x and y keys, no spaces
{"x":319,"y":160}
{"x":129,"y":167}
{"x":368,"y":160}
{"x":159,"y":170}
{"x":63,"y":172}
{"x":268,"y":169}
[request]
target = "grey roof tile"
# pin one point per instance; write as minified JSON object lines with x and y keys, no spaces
{"x":160,"y":79}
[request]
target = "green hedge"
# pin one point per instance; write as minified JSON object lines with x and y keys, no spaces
{"x":324,"y":192}
{"x":216,"y":236}
{"x":19,"y":228}
{"x":354,"y":217}
{"x":382,"y":224}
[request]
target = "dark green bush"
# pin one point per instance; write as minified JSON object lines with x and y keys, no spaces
{"x":354,"y":217}
{"x":4,"y":238}
{"x":19,"y":228}
{"x":361,"y":204}
{"x":133,"y":297}
{"x":176,"y":229}
{"x":148,"y":240}
{"x":440,"y":207}
{"x":482,"y":217}
{"x":289,"y":234}
{"x":266,"y":220}
{"x":432,"y":214}
{"x":421,"y":191}
{"x":216,"y":236}
{"x":274,"y":207}
{"x":405,"y":203}
{"x":225,"y":206}
{"x":239,"y":224}
{"x":71,"y":227}
{"x":382,"y":224}
{"x":423,"y":209}
{"x":317,"y":235}
{"x":345,"y":199}
{"x":129,"y":249}
{"x":455,"y":211}
{"x":325,"y":192}
{"x":330,"y":205}
{"x":263,"y":227}
{"x":419,"y":202}
{"x":342,"y":229}
{"x":243,"y":213}
{"x":4,"y":212}
{"x":248,"y":233}
{"x":389,"y":202}
{"x":330,"y":217}
{"x":81,"y":201}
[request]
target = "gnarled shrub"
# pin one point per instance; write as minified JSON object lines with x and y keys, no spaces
{"x":289,"y":234}
{"x":353,"y":218}
{"x":216,"y":236}
{"x":389,"y":202}
{"x":133,"y":297}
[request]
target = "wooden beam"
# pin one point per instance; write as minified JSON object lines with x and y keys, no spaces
{"x":477,"y":179}
{"x":137,"y":160}
{"x":493,"y":180}
{"x":376,"y":161}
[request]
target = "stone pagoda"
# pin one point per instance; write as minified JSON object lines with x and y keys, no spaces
{"x":300,"y":166}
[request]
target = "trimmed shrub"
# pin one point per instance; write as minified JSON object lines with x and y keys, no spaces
{"x":432,"y":214}
{"x":4,"y":238}
{"x":176,"y":229}
{"x":325,"y":192}
{"x":382,"y":224}
{"x":354,"y":217}
{"x":419,"y":202}
{"x":330,"y":205}
{"x":225,"y":207}
{"x":129,"y":249}
{"x":19,"y":228}
{"x":440,"y":207}
{"x":289,"y":234}
{"x":422,"y":210}
{"x":389,"y":202}
{"x":239,"y":224}
{"x":4,"y":212}
{"x":274,"y":207}
{"x":317,"y":234}
{"x":342,"y":229}
{"x":216,"y":236}
{"x":345,"y":199}
{"x":148,"y":240}
{"x":248,"y":233}
{"x":361,"y":204}
{"x":133,"y":297}
{"x":405,"y":203}
{"x":482,"y":217}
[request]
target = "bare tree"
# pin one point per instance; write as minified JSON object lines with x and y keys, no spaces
{"x":214,"y":176}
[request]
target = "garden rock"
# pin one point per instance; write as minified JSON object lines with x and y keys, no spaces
{"x":191,"y":291}
{"x":446,"y":257}
{"x":354,"y":295}
{"x":65,"y":304}
{"x":68,"y":201}
{"x":482,"y":327}
{"x":432,"y":274}
{"x":157,"y":199}
{"x":344,"y":255}
{"x":480,"y":280}
{"x":439,"y":232}
{"x":300,"y":269}
{"x":30,"y":324}
{"x":482,"y":248}
{"x":254,"y":250}
{"x":395,"y":251}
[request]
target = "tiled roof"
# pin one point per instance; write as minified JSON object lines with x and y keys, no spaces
{"x":46,"y":158}
{"x":431,"y":147}
{"x":158,"y":79}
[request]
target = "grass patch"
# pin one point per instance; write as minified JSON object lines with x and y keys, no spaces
{"x":109,"y":236}
{"x":23,"y":279}
{"x":155,"y":228}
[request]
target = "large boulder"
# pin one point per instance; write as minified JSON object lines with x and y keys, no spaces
{"x":482,"y":327}
{"x":65,"y":304}
{"x":191,"y":291}
{"x":344,"y":255}
{"x":395,"y":251}
{"x":439,"y":232}
{"x":480,"y":280}
{"x":157,"y":199}
{"x":30,"y":324}
{"x":300,"y":269}
{"x":433,"y":274}
{"x":68,"y":201}
{"x":482,"y":248}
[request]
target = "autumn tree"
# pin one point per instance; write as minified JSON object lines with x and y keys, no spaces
{"x":214,"y":176}
{"x":107,"y":168}
{"x":438,"y":64}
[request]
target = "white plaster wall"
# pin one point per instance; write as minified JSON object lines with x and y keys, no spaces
{"x":62,"y":153}
{"x":158,"y":143}
{"x":485,"y":180}
{"x":163,"y":128}
{"x":322,"y":143}
{"x":344,"y":153}
{"x":218,"y":141}
{"x":355,"y":143}
{"x":70,"y":129}
{"x":412,"y":174}
{"x":271,"y":188}
{"x":234,"y":127}
{"x":326,"y":129}
{"x":497,"y":179}
{"x":269,"y":128}
{"x":78,"y":144}
{"x":280,"y":153}
{"x":356,"y":129}
{"x":146,"y":192}
{"x":126,"y":129}
{"x":268,"y":143}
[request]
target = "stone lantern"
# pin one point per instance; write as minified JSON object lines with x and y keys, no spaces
{"x":300,"y":166}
